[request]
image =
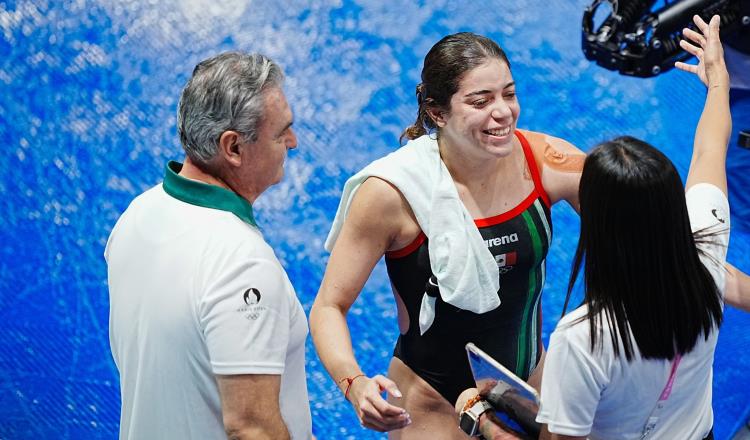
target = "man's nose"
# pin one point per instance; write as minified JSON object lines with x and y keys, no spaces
{"x":291,"y":141}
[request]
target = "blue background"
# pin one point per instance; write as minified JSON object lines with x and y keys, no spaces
{"x":88,"y":92}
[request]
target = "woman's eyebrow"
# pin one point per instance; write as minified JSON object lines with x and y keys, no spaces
{"x":484,"y":92}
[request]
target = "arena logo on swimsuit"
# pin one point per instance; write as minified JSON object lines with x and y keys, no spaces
{"x":498,"y":241}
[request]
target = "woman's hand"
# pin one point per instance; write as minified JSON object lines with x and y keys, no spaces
{"x":464,"y":397}
{"x":707,"y":48}
{"x":490,"y":426}
{"x":373,"y":411}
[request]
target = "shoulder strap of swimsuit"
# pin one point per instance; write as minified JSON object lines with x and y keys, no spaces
{"x":533,"y":167}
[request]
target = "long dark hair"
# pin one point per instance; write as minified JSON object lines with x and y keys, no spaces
{"x":641,"y":266}
{"x":444,"y":66}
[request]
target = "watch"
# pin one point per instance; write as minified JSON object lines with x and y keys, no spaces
{"x":468,"y":420}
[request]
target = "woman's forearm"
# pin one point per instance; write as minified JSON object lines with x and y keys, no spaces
{"x":332,"y":341}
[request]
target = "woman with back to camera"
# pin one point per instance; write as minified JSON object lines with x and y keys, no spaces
{"x":462,"y":215}
{"x":635,"y":361}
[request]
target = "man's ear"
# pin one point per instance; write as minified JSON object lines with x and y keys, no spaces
{"x":437,"y":115}
{"x":229,"y":147}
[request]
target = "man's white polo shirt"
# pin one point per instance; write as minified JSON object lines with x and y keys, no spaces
{"x":196,"y":292}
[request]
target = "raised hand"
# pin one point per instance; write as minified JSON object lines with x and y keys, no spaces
{"x":373,"y":411}
{"x":708,"y":164}
{"x":706,"y":47}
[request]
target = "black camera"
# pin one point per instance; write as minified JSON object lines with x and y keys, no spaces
{"x":635,"y":41}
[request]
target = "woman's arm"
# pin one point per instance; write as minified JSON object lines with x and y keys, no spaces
{"x":715,"y":125}
{"x":737,"y":292}
{"x":560,"y":164}
{"x":374,"y":221}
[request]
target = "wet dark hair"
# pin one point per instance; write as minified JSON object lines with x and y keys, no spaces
{"x":444,"y":67}
{"x":640,"y":263}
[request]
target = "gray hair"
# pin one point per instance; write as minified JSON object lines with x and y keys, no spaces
{"x":224,"y":93}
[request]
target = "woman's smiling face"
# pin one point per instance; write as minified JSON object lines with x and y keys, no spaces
{"x":483,"y":112}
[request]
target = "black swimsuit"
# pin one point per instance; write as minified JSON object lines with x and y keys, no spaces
{"x":519,"y":240}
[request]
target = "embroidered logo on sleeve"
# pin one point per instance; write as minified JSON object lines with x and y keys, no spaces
{"x":719,"y":215}
{"x":252,"y":310}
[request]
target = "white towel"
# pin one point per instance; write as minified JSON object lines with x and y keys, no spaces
{"x":466,"y":271}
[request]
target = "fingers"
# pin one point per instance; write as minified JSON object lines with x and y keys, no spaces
{"x":686,"y":67}
{"x":706,"y":47}
{"x":712,"y":47}
{"x":385,"y":409}
{"x":713,"y":26}
{"x":380,"y":404}
{"x":693,"y":36}
{"x":387,"y":385}
{"x":374,"y":411}
{"x":692,"y":50}
{"x":708,"y":30}
{"x":700,"y":24}
{"x":371,"y":420}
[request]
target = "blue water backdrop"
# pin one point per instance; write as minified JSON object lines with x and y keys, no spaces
{"x":88,"y":95}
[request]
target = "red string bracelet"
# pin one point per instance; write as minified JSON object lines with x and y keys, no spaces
{"x":349,"y":381}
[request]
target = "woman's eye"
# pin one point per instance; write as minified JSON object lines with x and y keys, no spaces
{"x":510,"y":95}
{"x":479,"y":102}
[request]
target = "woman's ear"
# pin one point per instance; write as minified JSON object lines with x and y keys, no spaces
{"x":437,"y":115}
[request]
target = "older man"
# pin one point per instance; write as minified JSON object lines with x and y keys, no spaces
{"x":205,"y":327}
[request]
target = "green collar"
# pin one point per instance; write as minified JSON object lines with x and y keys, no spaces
{"x":206,"y":195}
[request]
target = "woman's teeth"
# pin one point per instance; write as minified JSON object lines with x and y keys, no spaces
{"x":499,"y":132}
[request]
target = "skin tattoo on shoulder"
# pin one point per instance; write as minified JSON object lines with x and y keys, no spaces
{"x":547,"y":155}
{"x":563,"y":162}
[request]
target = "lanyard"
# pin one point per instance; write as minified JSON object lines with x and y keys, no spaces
{"x":653,"y":418}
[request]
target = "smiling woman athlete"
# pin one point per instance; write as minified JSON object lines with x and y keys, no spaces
{"x":465,"y":146}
